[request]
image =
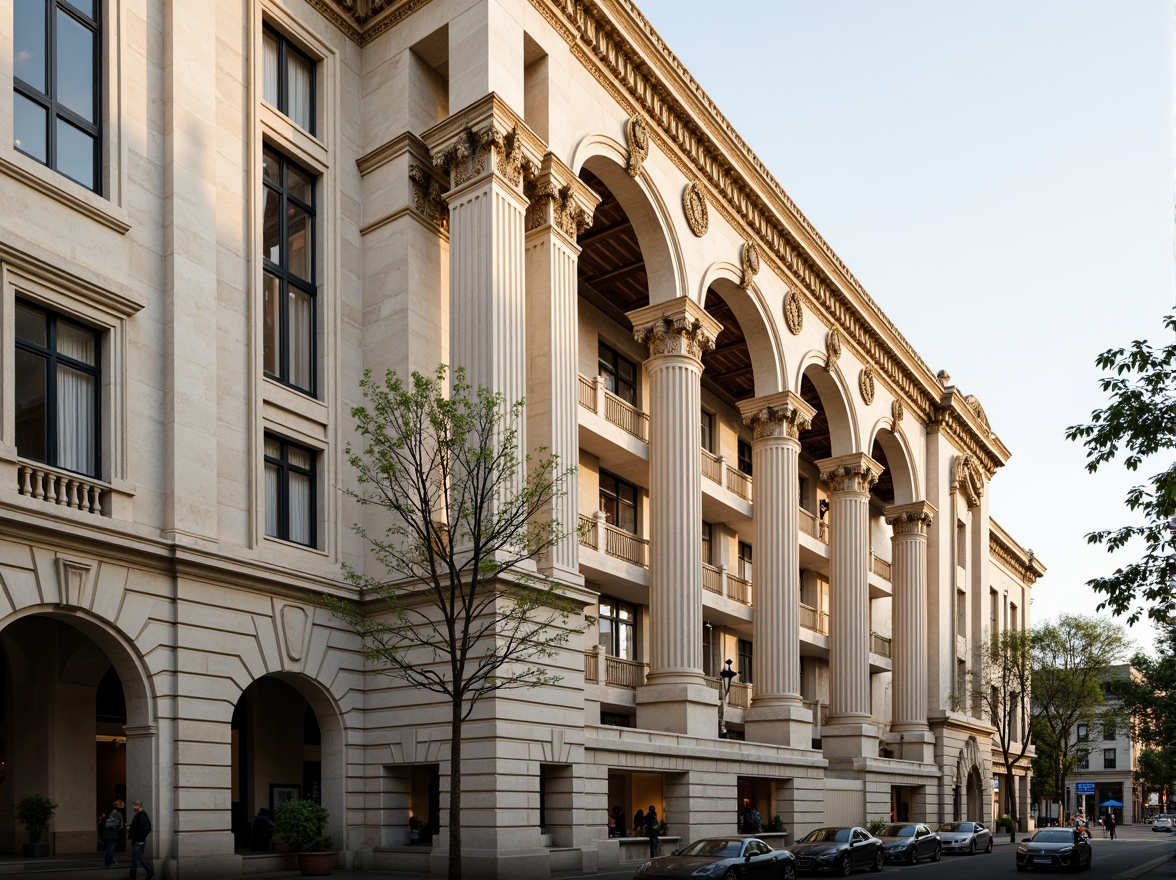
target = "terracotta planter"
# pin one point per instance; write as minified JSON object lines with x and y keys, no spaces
{"x":280,"y":847}
{"x":316,"y":864}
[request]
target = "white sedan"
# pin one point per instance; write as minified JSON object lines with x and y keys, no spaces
{"x":965,"y":837}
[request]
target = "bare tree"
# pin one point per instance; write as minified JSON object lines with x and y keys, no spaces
{"x":1002,"y":687}
{"x":457,"y":609}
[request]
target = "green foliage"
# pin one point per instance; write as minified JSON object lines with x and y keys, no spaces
{"x":300,"y":823}
{"x":1139,"y":423}
{"x":1149,"y":701}
{"x":34,"y":812}
{"x":876,"y":825}
{"x":1002,"y":688}
{"x":775,"y":824}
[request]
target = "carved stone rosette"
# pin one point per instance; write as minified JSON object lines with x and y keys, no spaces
{"x":637,"y":136}
{"x":856,"y":472}
{"x":832,"y":348}
{"x":428,"y":196}
{"x":969,"y":479}
{"x":694,"y":206}
{"x":793,"y":313}
{"x":866,"y":385}
{"x":751,"y":263}
{"x":896,"y":411}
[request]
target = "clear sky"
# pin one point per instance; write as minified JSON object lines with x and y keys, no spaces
{"x":999,"y":177}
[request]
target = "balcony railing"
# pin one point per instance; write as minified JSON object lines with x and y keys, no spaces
{"x":712,"y":579}
{"x":880,"y":566}
{"x":599,"y":535}
{"x":810,"y":618}
{"x":720,"y":581}
{"x":618,"y":672}
{"x":813,"y":527}
{"x":591,"y":666}
{"x":739,"y":589}
{"x":60,"y":488}
{"x":587,"y":393}
{"x":880,"y":645}
{"x":740,"y":695}
{"x":596,"y":397}
{"x":712,"y":467}
{"x":587,"y":531}
{"x":820,"y":714}
{"x":739,"y":483}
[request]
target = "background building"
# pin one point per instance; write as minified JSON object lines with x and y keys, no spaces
{"x":217,"y":215}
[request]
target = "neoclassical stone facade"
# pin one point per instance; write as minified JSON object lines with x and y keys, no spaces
{"x":219,"y":214}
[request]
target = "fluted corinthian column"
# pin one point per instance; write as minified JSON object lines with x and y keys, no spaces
{"x":676,"y":697}
{"x":850,"y":732}
{"x":910,"y":736}
{"x":560,"y":207}
{"x":777,"y":714}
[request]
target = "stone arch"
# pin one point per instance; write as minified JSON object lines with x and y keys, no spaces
{"x":899,"y":461}
{"x":970,"y":782}
{"x":835,"y":401}
{"x":759,"y":331}
{"x":645,"y":208}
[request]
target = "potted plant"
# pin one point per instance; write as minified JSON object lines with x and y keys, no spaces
{"x":300,"y":823}
{"x":414,"y":829}
{"x":34,"y":813}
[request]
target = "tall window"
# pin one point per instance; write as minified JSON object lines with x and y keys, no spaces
{"x":745,"y":661}
{"x":618,"y":500}
{"x":56,"y":99}
{"x":706,"y":543}
{"x":1083,"y":733}
{"x":710,"y":666}
{"x":1108,"y":759}
{"x":289,"y":491}
{"x":288,"y":241}
{"x":616,"y":628}
{"x":57,"y":390}
{"x":708,"y":431}
{"x":745,"y":561}
{"x":288,"y":79}
{"x":619,"y":372}
{"x":1084,"y":762}
{"x":744,"y":457}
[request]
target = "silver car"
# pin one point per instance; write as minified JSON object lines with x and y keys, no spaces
{"x":965,"y":837}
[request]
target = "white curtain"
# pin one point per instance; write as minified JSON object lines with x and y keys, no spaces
{"x":269,"y":69}
{"x":76,"y":402}
{"x":272,"y":476}
{"x":300,"y":512}
{"x":299,"y":74}
{"x":301,"y":322}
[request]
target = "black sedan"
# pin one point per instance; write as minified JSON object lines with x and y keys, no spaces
{"x":839,"y":850}
{"x":909,"y":842}
{"x":1054,"y":848}
{"x":728,"y":858}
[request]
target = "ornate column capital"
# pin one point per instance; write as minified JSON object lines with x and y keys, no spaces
{"x":485,"y":139}
{"x":559,"y":199}
{"x":855,"y":472}
{"x":911,"y":519}
{"x":679,"y":326}
{"x":784,"y":414}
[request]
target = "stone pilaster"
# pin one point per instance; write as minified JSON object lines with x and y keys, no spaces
{"x":851,"y":732}
{"x":560,"y":208}
{"x":910,"y":736}
{"x":777,"y":714}
{"x":676,"y":697}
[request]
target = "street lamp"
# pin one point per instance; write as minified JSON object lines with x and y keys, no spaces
{"x":727,"y":675}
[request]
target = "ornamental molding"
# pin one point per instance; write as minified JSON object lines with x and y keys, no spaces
{"x":777,"y":416}
{"x":910,"y":519}
{"x":896,"y":411}
{"x":73,"y":582}
{"x":557,"y":198}
{"x":832,"y":348}
{"x":678,"y":327}
{"x":694,"y":207}
{"x":362,"y":21}
{"x":487,"y":137}
{"x":855,"y":472}
{"x":750,"y":258}
{"x":637,"y":137}
{"x":1022,"y":564}
{"x":969,"y":480}
{"x":973,"y":403}
{"x":866,"y":385}
{"x":793,"y":313}
{"x":618,"y":46}
{"x":428,"y":196}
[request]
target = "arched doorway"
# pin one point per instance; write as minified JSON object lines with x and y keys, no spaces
{"x":975,"y":801}
{"x":75,"y":725}
{"x":286,"y":743}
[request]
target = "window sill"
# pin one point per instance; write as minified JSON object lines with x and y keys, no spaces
{"x":293,"y":545}
{"x":63,"y":190}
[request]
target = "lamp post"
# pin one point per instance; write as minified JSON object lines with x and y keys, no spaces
{"x":727,"y":675}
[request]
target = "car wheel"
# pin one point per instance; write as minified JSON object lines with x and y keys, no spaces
{"x":788,"y":872}
{"x":972,"y":847}
{"x":878,"y":860}
{"x":846,"y":866}
{"x":732,"y":874}
{"x":912,"y":855}
{"x":988,"y":848}
{"x":938,"y":854}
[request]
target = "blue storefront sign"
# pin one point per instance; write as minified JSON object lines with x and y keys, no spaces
{"x":1083,"y":788}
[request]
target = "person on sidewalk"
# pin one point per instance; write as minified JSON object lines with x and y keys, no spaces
{"x":137,"y":835}
{"x":112,"y":824}
{"x":651,"y":831}
{"x":1109,"y":823}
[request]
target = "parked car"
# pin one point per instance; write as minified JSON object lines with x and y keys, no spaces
{"x":909,"y":842}
{"x":1161,"y":823}
{"x":1054,"y":848}
{"x":728,"y":858}
{"x":964,"y":837}
{"x":840,"y":850}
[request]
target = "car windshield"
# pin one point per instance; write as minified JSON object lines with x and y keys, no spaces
{"x":827,"y":835}
{"x":958,"y":827}
{"x":718,"y":847}
{"x":898,"y":831}
{"x":1061,"y":836}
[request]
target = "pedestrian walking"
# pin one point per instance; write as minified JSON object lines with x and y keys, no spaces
{"x":651,"y":831}
{"x":1109,"y":824}
{"x":112,"y":824}
{"x":137,"y":834}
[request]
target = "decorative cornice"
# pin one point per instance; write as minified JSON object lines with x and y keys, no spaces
{"x":428,"y":196}
{"x":364,"y":20}
{"x":678,"y":327}
{"x":968,"y":479}
{"x":1021,"y":563}
{"x":911,"y":519}
{"x":777,"y":415}
{"x":855,"y":472}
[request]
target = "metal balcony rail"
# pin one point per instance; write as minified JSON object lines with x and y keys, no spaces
{"x":880,"y":645}
{"x":712,"y":467}
{"x":625,"y":545}
{"x":810,"y":618}
{"x":813,"y":527}
{"x":60,"y":487}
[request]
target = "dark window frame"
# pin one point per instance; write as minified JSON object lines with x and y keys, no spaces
{"x":285,"y":46}
{"x":1110,"y":759}
{"x":608,"y":361}
{"x":285,"y":277}
{"x":48,"y":100}
{"x":615,"y":495}
{"x":52,"y":357}
{"x":616,"y":623}
{"x":746,"y":655}
{"x":743,"y":457}
{"x":285,"y":468}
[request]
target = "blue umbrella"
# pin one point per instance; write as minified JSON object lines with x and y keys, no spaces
{"x":1111,"y":804}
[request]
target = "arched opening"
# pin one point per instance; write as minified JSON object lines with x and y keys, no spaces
{"x":286,"y":744}
{"x":975,"y":796}
{"x":74,"y":726}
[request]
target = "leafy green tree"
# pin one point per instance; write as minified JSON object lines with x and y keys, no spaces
{"x":1140,"y":423}
{"x":456,"y":609}
{"x":1149,"y":699}
{"x":1155,"y":772}
{"x":1002,"y":687}
{"x":1071,"y":660}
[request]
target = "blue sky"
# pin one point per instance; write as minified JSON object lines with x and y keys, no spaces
{"x":999,"y":176}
